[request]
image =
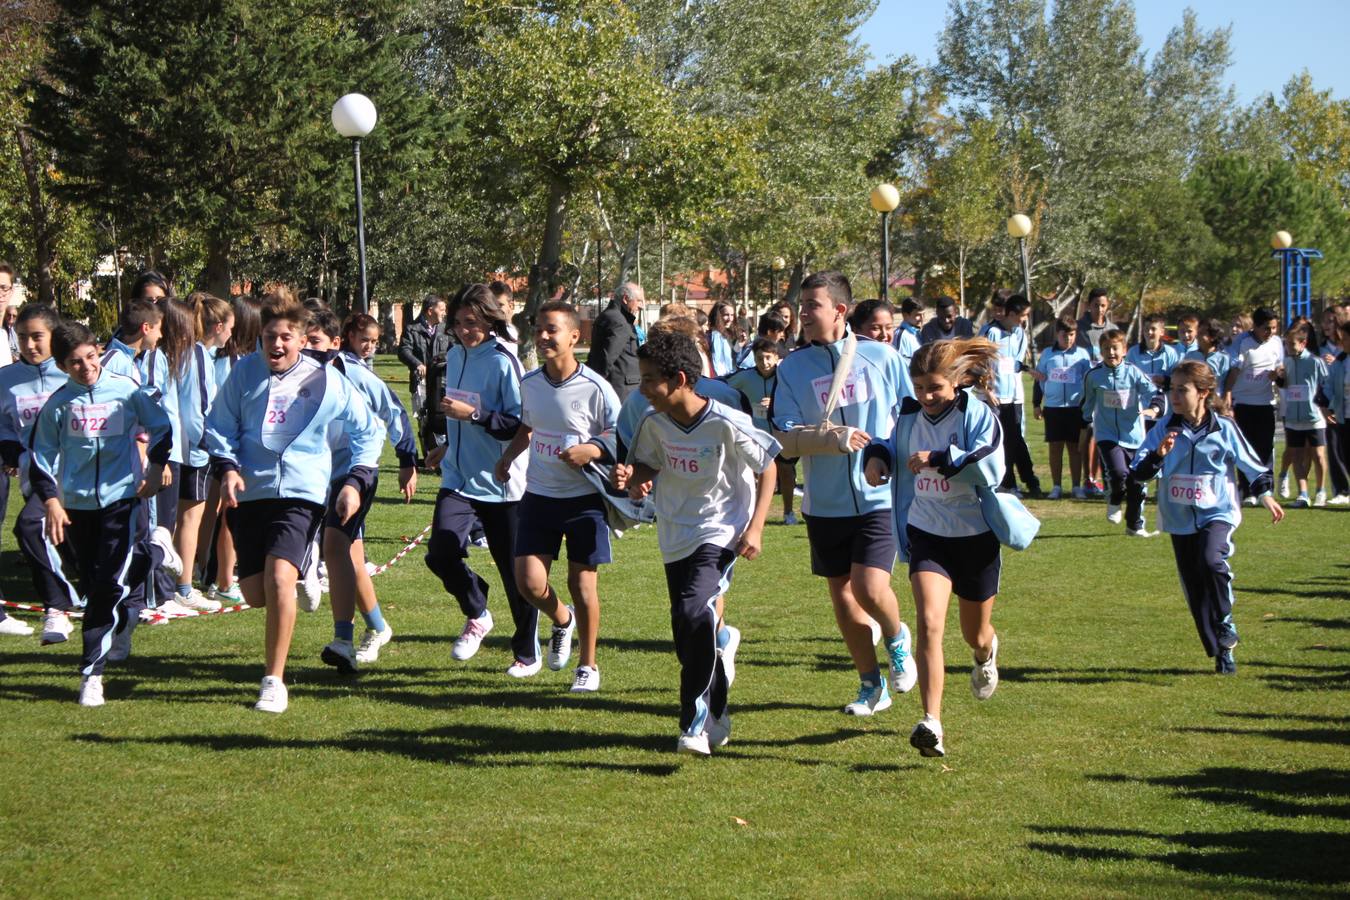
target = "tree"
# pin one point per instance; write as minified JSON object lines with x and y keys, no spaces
{"x":963,"y":212}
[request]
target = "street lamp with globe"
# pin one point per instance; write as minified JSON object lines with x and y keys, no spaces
{"x":354,"y":117}
{"x":884,"y":199}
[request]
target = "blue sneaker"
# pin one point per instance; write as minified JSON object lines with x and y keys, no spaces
{"x":872,"y":698}
{"x":1228,"y":636}
{"x":1224,"y":663}
{"x":904,"y":673}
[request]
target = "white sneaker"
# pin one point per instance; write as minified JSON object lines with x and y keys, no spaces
{"x":1141,"y":532}
{"x":371,"y":641}
{"x":195,"y":600}
{"x":272,"y":696}
{"x":11,"y":625}
{"x":560,"y":643}
{"x":984,"y":675}
{"x":728,"y":653}
{"x":904,"y":672}
{"x":232,"y":595}
{"x":1252,"y":501}
{"x":693,"y":745}
{"x":471,"y":638}
{"x":56,"y":627}
{"x":586,"y":680}
{"x":173,"y":563}
{"x":1079,"y":494}
{"x":1285,"y":490}
{"x":927,"y":737}
{"x":308,"y":591}
{"x":91,"y":690}
{"x":338,"y":654}
{"x":871,"y":699}
{"x":1320,"y":499}
{"x":1301,"y":502}
{"x":1340,"y":500}
{"x":1056,"y":493}
{"x":370,"y":568}
{"x":876,"y":630}
{"x":1114,"y":514}
{"x":172,"y":608}
{"x":790,"y":519}
{"x":718,"y":731}
{"x":518,"y":669}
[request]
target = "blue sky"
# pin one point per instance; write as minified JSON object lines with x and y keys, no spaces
{"x":1270,"y":42}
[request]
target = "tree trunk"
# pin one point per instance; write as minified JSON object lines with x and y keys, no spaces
{"x":543,"y":272}
{"x":215,"y":277}
{"x":44,"y":240}
{"x":626,"y":261}
{"x":1138,"y":317}
{"x":961,"y":281}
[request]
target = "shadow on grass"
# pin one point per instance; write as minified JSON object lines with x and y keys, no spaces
{"x":465,"y":745}
{"x":1310,"y":593}
{"x":1332,"y":624}
{"x":1319,"y":678}
{"x":1094,"y":675}
{"x":1271,"y":855}
{"x":1285,"y":794}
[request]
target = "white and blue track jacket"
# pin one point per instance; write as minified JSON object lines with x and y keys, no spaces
{"x":721,"y":354}
{"x":487,"y":378}
{"x":635,"y":407}
{"x":1064,"y":371}
{"x":1219,"y":363}
{"x":1335,"y":392}
{"x":1158,"y":363}
{"x":24,"y":390}
{"x":1303,"y":376}
{"x":383,"y":405}
{"x":1114,"y":401}
{"x":196,"y":391}
{"x":753,"y":388}
{"x":1012,"y":350}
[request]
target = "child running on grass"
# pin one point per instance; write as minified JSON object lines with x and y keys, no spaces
{"x":1117,"y":400}
{"x":756,"y":384}
{"x":1305,"y":428}
{"x":946,"y":445}
{"x":1194,"y":458}
{"x":1059,"y":375}
{"x":711,"y":472}
{"x":567,"y":410}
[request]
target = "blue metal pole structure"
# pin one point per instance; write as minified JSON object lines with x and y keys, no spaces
{"x":1296,"y":280}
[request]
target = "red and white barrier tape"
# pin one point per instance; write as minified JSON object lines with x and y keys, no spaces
{"x":29,"y":607}
{"x":155,"y":617}
{"x":379,"y":570}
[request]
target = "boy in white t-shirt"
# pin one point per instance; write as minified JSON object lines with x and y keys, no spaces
{"x":1250,"y":385}
{"x":713,"y":478}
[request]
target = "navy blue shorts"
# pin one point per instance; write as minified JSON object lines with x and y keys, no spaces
{"x":838,"y":543}
{"x":1063,"y":423}
{"x":972,"y":563}
{"x":194,"y":483}
{"x":545,"y":521}
{"x":278,"y":527}
{"x":357,"y":523}
{"x":1295,"y":438}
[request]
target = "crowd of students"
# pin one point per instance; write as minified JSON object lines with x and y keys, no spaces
{"x":236,"y":445}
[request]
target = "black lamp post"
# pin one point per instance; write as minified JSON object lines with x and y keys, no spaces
{"x":354,"y":117}
{"x":884,"y":199}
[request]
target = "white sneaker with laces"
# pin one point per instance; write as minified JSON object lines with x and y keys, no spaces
{"x":927,"y":737}
{"x":308,"y":591}
{"x":876,"y":630}
{"x":56,"y":627}
{"x":471,"y":638}
{"x":1285,"y":490}
{"x":1340,"y":500}
{"x":904,"y":671}
{"x":519,"y":669}
{"x":195,"y":600}
{"x":1320,"y":499}
{"x":1252,"y":501}
{"x":728,"y":653}
{"x":173,"y":563}
{"x":693,"y":745}
{"x":172,"y":608}
{"x":586,"y":680}
{"x":91,"y":690}
{"x":1114,"y":515}
{"x":371,"y":641}
{"x":560,"y":643}
{"x":272,"y":696}
{"x":11,"y":625}
{"x":1056,"y":493}
{"x":338,"y":654}
{"x":1141,"y":532}
{"x":718,"y":730}
{"x":984,"y":675}
{"x":231,"y":595}
{"x":872,"y":698}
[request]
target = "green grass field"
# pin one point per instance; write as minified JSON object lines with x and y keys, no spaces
{"x":1111,"y":761}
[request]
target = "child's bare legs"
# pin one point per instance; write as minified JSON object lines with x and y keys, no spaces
{"x":1075,"y":464}
{"x":1056,"y":462}
{"x":787,"y":482}
{"x":532,"y":581}
{"x":206,"y":530}
{"x":185,"y":536}
{"x":342,"y":579}
{"x":1319,"y":465}
{"x":932,"y":593}
{"x":977,"y":627}
{"x":582,"y":585}
{"x":854,"y":625}
{"x":1300,"y":458}
{"x":225,"y":558}
{"x":278,"y":582}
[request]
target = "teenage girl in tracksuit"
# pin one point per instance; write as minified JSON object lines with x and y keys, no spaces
{"x":947,"y":444}
{"x":1194,"y":457}
{"x":482,"y":415}
{"x":86,"y":470}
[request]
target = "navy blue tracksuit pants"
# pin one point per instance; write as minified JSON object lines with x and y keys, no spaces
{"x":1206,"y":578}
{"x":695,"y":583}
{"x":454,"y":522}
{"x":1116,"y":462}
{"x":50,"y":566}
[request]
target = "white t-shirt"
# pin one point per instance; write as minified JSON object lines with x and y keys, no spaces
{"x":1254,"y":362}
{"x":7,"y":353}
{"x":561,"y":416}
{"x":705,"y":492}
{"x":942,"y":507}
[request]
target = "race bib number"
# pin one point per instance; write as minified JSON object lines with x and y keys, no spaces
{"x":97,"y":420}
{"x":928,"y":483}
{"x":690,"y":459}
{"x":1007,"y":365}
{"x":1112,"y":399}
{"x":1257,"y":372}
{"x":1062,"y":376}
{"x":30,"y":406}
{"x":283,"y":415}
{"x":473,"y":398}
{"x":1295,"y":394}
{"x":1191,"y":490}
{"x":857,"y":389}
{"x":549,"y":445}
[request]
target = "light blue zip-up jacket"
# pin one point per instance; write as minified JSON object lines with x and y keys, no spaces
{"x":877,"y":382}
{"x":487,"y":377}
{"x":635,"y":407}
{"x":1074,"y":364}
{"x":1304,"y":375}
{"x":1197,"y":477}
{"x":1114,"y":401}
{"x":1335,"y":391}
{"x":196,"y":390}
{"x":150,"y":369}
{"x":83,"y":445}
{"x":721,"y":353}
{"x":1158,"y":363}
{"x":1012,"y":350}
{"x":385,"y":407}
{"x":906,"y":342}
{"x":754,"y":387}
{"x":1219,"y":363}
{"x":278,"y":440}
{"x":24,"y":390}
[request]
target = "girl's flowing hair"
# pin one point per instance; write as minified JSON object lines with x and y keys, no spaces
{"x":966,"y":363}
{"x":1202,"y":376}
{"x":247,"y":327}
{"x":179,"y":333}
{"x":480,"y":299}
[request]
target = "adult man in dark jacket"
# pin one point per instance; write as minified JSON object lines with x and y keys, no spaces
{"x":423,"y":346}
{"x":614,"y":342}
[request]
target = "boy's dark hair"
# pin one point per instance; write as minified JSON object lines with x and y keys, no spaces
{"x":1001,"y":297}
{"x":325,"y":320}
{"x":1098,"y":292}
{"x":139,"y":313}
{"x":1114,"y":336}
{"x":911,"y":306}
{"x":1261,"y":315}
{"x":280,"y":303}
{"x":1016,"y":303}
{"x":945,"y":303}
{"x":770,"y":322}
{"x":314,"y":304}
{"x":1066,"y":324}
{"x":41,"y":311}
{"x":501,"y":289}
{"x":864,"y":311}
{"x":673,"y":353}
{"x":1189,"y":317}
{"x":68,"y":337}
{"x":146,"y":279}
{"x":1301,"y":332}
{"x":559,"y":306}
{"x":1213,"y":331}
{"x":841,"y":292}
{"x":1155,"y":318}
{"x":764,"y":345}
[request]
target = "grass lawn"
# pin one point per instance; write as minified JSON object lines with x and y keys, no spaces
{"x":1111,"y":761}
